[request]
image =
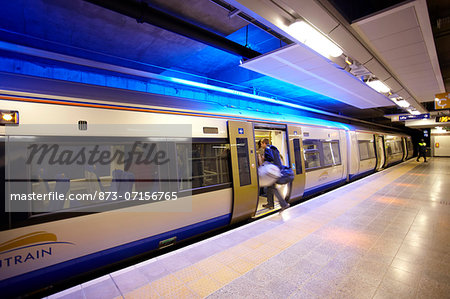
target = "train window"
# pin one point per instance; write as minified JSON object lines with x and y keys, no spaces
{"x":209,"y":165}
{"x":399,"y":146}
{"x":410,"y":146}
{"x":371,"y":147}
{"x":327,"y":154}
{"x":388,"y":148}
{"x":93,"y":174}
{"x":363,"y":150}
{"x":331,"y":154}
{"x":190,"y":165}
{"x":366,"y":150}
{"x":297,"y":155}
{"x":243,"y":161}
{"x":394,"y":147}
{"x":336,"y":152}
{"x":312,"y":153}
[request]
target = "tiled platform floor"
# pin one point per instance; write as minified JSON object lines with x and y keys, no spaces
{"x":385,"y":236}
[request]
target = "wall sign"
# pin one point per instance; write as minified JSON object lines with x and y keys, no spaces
{"x":443,"y":119}
{"x":442,"y":101}
{"x":420,"y":116}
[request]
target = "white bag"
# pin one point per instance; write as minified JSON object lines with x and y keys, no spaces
{"x":268,"y":174}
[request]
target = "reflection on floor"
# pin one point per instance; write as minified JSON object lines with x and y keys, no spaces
{"x":384,"y":236}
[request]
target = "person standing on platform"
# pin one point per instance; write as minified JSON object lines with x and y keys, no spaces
{"x":422,"y":150}
{"x":272,"y":155}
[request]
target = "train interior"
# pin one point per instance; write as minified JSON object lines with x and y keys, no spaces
{"x":277,"y":137}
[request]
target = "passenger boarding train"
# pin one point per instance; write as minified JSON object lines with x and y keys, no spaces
{"x":218,"y":169}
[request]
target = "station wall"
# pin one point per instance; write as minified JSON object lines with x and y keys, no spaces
{"x":443,"y":141}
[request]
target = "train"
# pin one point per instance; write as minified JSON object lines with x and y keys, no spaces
{"x":201,"y":176}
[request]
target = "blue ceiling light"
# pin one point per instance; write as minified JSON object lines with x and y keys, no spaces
{"x":143,"y":74}
{"x":243,"y":94}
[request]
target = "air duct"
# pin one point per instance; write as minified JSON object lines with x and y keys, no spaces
{"x":146,"y":14}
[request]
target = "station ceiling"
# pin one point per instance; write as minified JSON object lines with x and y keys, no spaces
{"x":87,"y":29}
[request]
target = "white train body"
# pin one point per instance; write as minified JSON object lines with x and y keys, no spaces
{"x":322,"y":156}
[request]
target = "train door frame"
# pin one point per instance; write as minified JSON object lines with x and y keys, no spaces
{"x":405,"y":149}
{"x":287,"y":153}
{"x":297,"y":187}
{"x":245,"y":189}
{"x":380,"y":147}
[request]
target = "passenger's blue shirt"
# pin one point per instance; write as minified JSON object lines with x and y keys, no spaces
{"x":272,"y":155}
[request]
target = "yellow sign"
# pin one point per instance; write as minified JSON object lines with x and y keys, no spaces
{"x":443,"y":119}
{"x":442,"y":101}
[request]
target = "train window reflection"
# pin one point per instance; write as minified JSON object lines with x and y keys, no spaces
{"x":363,"y":150}
{"x":394,"y":147}
{"x":312,"y":153}
{"x":107,"y":184}
{"x":399,"y":146}
{"x":366,"y":150}
{"x":98,"y":183}
{"x":331,"y":153}
{"x":208,"y":167}
{"x":336,"y":152}
{"x":410,"y":146}
{"x":327,"y":154}
{"x":371,"y":147}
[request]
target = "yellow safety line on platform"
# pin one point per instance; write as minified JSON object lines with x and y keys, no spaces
{"x":211,"y":274}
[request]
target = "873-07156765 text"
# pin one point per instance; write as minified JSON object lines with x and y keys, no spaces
{"x":97,"y":195}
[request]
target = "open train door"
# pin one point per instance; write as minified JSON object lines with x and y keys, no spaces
{"x":297,"y":162}
{"x":244,"y":170}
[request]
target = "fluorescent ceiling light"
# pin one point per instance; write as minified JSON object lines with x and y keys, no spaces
{"x":402,"y":103}
{"x":311,"y":37}
{"x":415,"y":112}
{"x":378,"y":86}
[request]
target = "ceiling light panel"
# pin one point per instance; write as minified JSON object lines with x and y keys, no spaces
{"x":402,"y":103}
{"x":305,"y":33}
{"x":378,"y":86}
{"x":306,"y":69}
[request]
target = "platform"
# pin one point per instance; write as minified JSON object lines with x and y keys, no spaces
{"x":384,"y":236}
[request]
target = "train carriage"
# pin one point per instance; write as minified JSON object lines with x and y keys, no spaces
{"x":214,"y":174}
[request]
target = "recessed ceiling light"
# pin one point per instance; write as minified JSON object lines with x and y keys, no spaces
{"x":378,"y":86}
{"x":314,"y":39}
